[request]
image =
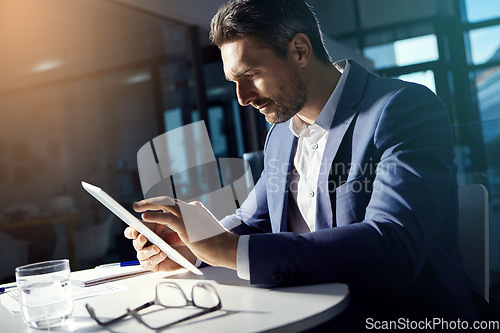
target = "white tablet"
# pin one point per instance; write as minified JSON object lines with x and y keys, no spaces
{"x":135,"y":223}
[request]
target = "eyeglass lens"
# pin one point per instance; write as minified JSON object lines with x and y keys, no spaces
{"x":204,"y":296}
{"x":170,"y":295}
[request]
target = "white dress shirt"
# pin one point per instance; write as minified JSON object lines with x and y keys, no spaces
{"x":303,"y":179}
{"x":303,"y":183}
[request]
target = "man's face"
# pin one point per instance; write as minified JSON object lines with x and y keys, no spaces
{"x":269,"y":83}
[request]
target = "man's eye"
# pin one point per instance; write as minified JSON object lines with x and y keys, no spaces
{"x":249,"y":76}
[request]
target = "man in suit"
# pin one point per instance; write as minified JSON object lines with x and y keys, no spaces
{"x":359,"y":184}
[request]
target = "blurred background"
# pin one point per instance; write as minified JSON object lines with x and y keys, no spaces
{"x":84,"y":84}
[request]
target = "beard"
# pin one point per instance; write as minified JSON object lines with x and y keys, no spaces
{"x":282,"y":109}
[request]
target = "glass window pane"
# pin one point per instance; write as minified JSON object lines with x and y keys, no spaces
{"x":351,"y":43}
{"x":425,"y":78}
{"x":416,"y":50}
{"x":485,"y":44}
{"x":237,"y":128}
{"x":195,"y":116}
{"x":404,"y":52}
{"x":382,"y":55}
{"x":478,"y":161}
{"x":398,"y":33}
{"x":488,"y":93}
{"x":217,"y":132}
{"x":480,"y":10}
{"x":172,"y":119}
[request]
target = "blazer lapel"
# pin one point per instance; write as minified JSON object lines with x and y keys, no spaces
{"x":344,"y":115}
{"x":278,"y":161}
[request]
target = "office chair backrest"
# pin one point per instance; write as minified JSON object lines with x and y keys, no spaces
{"x":256,"y":161}
{"x":474,"y":235}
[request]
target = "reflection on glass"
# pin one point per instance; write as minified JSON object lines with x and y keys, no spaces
{"x":488,"y":92}
{"x":217,"y":130}
{"x":488,"y":96}
{"x":485,"y":44}
{"x":173,"y":119}
{"x":425,"y":78}
{"x":404,"y":52}
{"x":480,"y":10}
{"x":237,"y":128}
{"x":478,"y":161}
{"x":491,"y":133}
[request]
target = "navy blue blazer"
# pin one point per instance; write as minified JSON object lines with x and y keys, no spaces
{"x":386,"y":220}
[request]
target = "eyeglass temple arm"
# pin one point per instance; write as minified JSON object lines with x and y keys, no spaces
{"x":114,"y":320}
{"x":134,"y":314}
{"x":198,"y":314}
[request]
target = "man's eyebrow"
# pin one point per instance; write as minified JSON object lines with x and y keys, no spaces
{"x":240,"y":73}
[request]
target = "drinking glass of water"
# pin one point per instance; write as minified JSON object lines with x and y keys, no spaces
{"x":45,"y":293}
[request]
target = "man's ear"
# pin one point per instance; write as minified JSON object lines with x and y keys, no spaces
{"x":300,"y":49}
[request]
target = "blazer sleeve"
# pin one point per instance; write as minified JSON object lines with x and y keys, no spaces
{"x":412,"y":143}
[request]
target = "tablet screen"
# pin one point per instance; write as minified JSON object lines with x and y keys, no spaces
{"x":135,"y":223}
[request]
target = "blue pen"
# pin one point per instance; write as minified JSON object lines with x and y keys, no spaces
{"x":120,"y":264}
{"x":7,"y":288}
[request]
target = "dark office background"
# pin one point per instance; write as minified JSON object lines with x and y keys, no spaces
{"x":84,"y":84}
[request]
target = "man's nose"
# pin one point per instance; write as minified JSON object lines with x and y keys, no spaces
{"x":245,"y":93}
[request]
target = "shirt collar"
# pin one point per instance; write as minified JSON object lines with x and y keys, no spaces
{"x":325,"y":118}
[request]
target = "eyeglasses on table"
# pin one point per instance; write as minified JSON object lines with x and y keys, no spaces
{"x":170,"y":295}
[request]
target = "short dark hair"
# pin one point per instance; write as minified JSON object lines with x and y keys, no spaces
{"x":272,"y":22}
